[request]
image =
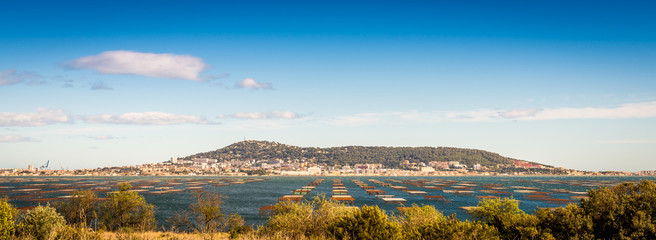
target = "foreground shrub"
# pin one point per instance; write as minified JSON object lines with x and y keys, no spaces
{"x":77,"y":232}
{"x":426,"y":222}
{"x":80,"y":209}
{"x":204,"y":215}
{"x":508,"y":219}
{"x":454,"y":229}
{"x":7,"y":213}
{"x":569,"y":222}
{"x":42,"y":222}
{"x":308,"y":219}
{"x":626,"y":211}
{"x":412,"y":220}
{"x":368,"y":222}
{"x":237,"y":226}
{"x":126,"y":209}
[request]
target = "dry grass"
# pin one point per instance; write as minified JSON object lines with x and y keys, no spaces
{"x":161,"y":235}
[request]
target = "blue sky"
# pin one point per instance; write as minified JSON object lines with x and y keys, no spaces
{"x":92,"y":84}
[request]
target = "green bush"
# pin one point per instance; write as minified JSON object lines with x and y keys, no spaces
{"x":7,"y":213}
{"x":625,"y":211}
{"x":569,"y":222}
{"x":415,"y":218}
{"x":426,"y":222}
{"x":237,"y":226}
{"x":454,"y":229}
{"x":368,"y":222}
{"x":508,"y":219}
{"x":43,"y":222}
{"x":204,"y":215}
{"x":308,"y":219}
{"x":78,"y":232}
{"x":126,"y":210}
{"x":80,"y":209}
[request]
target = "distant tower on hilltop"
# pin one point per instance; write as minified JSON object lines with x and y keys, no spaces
{"x":174,"y":160}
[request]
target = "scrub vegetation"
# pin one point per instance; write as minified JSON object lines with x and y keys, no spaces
{"x":625,"y":211}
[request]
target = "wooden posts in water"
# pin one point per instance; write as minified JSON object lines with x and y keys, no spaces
{"x":295,"y":198}
{"x":434,"y":197}
{"x":375,"y":192}
{"x":413,"y":192}
{"x":343,"y":198}
{"x":267,"y":210}
{"x":394,"y":200}
{"x":340,"y":193}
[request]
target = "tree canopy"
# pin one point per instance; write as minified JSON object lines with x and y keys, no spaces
{"x":390,"y":157}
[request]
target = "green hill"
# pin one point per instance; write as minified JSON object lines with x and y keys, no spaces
{"x":390,"y":157}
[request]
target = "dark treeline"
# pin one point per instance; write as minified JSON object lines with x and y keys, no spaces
{"x":625,"y":211}
{"x":390,"y":157}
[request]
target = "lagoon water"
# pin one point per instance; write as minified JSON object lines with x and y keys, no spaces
{"x":246,"y":195}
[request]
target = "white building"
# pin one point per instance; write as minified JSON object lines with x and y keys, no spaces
{"x":427,"y":169}
{"x":314,"y":170}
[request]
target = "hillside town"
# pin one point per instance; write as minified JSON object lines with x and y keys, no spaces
{"x":301,"y":167}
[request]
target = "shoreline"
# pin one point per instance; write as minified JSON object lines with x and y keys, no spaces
{"x":340,"y":175}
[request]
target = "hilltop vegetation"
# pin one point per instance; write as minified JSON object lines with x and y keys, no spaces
{"x":390,"y":157}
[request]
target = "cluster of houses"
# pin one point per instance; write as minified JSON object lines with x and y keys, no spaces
{"x":202,"y":166}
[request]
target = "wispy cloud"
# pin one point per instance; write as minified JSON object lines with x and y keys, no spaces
{"x":358,"y":119}
{"x":519,"y":113}
{"x":262,"y":115}
{"x":15,"y":138}
{"x":144,"y":118}
{"x":11,"y":77}
{"x":631,"y":110}
{"x":68,"y":85}
{"x":41,"y":117}
{"x":631,"y":141}
{"x":250,"y":83}
{"x":163,"y":65}
{"x":625,"y":111}
{"x":101,"y":137}
{"x":101,"y":86}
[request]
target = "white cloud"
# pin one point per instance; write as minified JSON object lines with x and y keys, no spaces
{"x":631,"y":110}
{"x":263,"y":115}
{"x":250,"y":83}
{"x":625,"y":111}
{"x":356,"y":120}
{"x":41,"y":117}
{"x":255,"y":115}
{"x":15,"y":138}
{"x":283,"y":114}
{"x":162,"y":65}
{"x":471,"y":116}
{"x":145,"y":118}
{"x":518,"y":113}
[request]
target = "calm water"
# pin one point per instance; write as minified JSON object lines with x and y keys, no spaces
{"x":248,"y":197}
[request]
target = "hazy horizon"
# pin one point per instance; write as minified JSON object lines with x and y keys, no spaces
{"x":93,"y":84}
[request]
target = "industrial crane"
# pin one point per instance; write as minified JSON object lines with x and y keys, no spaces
{"x":45,"y":166}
